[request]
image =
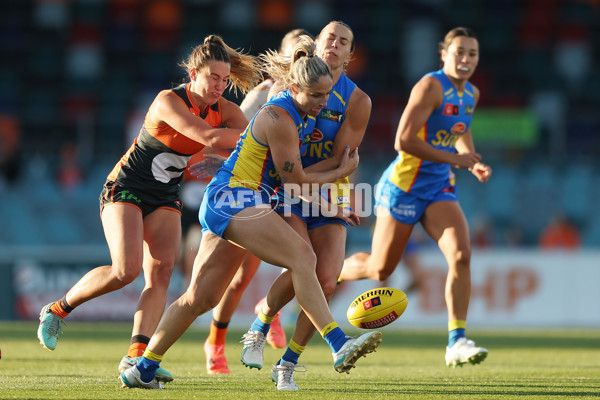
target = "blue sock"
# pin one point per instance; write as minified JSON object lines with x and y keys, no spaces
{"x":336,"y":339}
{"x":290,"y":356}
{"x":258,"y":325}
{"x":147,"y":369}
{"x":454,"y":335}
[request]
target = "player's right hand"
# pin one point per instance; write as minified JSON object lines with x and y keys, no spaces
{"x":466,"y":160}
{"x":207,"y":167}
{"x":349,"y":161}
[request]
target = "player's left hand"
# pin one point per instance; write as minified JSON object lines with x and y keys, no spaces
{"x":481,"y":171}
{"x":348,"y":215}
{"x":331,"y":210}
{"x":208,"y":166}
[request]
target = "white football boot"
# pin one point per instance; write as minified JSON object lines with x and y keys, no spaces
{"x":162,"y":375}
{"x":131,"y":378}
{"x":283,"y":375}
{"x":464,"y":351}
{"x":355,"y":348}
{"x":254,"y":347}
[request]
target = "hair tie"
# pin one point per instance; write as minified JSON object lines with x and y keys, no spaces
{"x":310,"y":55}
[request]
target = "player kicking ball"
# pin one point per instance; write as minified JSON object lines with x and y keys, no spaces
{"x":237,"y":217}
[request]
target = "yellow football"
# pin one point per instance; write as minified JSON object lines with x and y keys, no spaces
{"x":377,"y":307}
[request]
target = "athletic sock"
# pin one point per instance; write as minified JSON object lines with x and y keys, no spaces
{"x":61,"y":308}
{"x":262,"y":323}
{"x":456,"y":330}
{"x":293,"y":352}
{"x":137,"y":346}
{"x":217,"y":333}
{"x":148,"y":366}
{"x":334,"y":336}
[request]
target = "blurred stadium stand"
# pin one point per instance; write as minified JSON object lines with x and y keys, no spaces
{"x":85,"y":71}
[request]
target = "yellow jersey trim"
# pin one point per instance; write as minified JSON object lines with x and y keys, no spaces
{"x":339,"y":97}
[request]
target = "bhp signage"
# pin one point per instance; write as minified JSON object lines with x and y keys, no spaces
{"x":525,"y":288}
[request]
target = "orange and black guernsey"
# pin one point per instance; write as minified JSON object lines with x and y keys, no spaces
{"x":155,"y":162}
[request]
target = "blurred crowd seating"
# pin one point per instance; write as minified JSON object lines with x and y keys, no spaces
{"x":83,"y":72}
{"x":514,"y":207}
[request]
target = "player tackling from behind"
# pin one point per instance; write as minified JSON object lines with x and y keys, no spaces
{"x":418,"y":186}
{"x":140,"y":206}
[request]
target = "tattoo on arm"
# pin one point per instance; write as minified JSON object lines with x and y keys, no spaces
{"x":288,"y":166}
{"x":271,"y":113}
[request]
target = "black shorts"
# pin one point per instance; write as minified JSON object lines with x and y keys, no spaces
{"x":113,"y":192}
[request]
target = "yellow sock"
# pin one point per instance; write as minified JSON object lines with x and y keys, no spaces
{"x":265,"y":318}
{"x":295,"y":347}
{"x":152,"y":356}
{"x":456,"y":324}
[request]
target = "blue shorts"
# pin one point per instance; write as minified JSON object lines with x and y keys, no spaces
{"x":307,"y":215}
{"x":220,"y":204}
{"x":405,"y":207}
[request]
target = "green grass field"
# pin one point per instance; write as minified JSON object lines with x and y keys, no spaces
{"x":540,"y":364}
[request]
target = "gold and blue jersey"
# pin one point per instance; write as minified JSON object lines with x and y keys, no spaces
{"x":323,"y":130}
{"x":442,"y":129}
{"x":327,"y":124}
{"x":251,"y":163}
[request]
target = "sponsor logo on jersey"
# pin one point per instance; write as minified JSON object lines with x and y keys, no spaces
{"x":458,"y":128}
{"x":274,"y":174}
{"x":445,"y":139}
{"x":316,"y":136}
{"x":167,"y":166}
{"x":450,"y":109}
{"x":330,"y":115}
{"x":317,"y":148}
{"x":305,"y":139}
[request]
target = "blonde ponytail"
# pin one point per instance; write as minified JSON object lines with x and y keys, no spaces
{"x":303,"y":68}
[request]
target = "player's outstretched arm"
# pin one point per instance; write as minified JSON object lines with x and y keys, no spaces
{"x":170,"y":109}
